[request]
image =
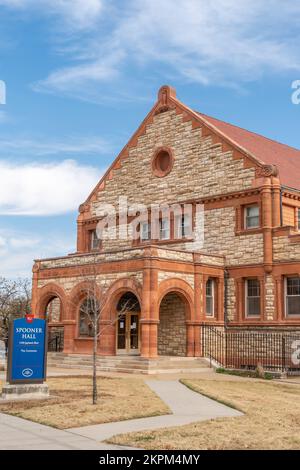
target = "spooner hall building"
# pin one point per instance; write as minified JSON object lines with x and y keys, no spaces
{"x":246,"y":274}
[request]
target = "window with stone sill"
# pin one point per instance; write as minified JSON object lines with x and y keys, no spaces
{"x":210,"y":297}
{"x":183,"y":226}
{"x":95,"y":241}
{"x":145,"y":231}
{"x":251,"y":217}
{"x":292,"y":296}
{"x":164,"y":229}
{"x":252,"y":291}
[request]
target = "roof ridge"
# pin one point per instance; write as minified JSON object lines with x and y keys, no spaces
{"x":247,"y":130}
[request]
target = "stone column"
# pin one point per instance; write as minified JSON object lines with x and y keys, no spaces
{"x":190,"y":338}
{"x":276,"y":203}
{"x":145,"y":311}
{"x":80,"y":236}
{"x":107,"y":341}
{"x":198,"y":307}
{"x":154,"y":313}
{"x":239,"y":299}
{"x":267,"y":224}
{"x":220,"y":303}
{"x":279,"y":295}
{"x":150,"y":314}
{"x":34,"y":296}
{"x":69,"y":335}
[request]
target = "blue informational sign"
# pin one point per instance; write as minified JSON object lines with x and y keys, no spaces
{"x":27,"y":351}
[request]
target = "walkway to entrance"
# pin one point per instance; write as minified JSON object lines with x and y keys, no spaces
{"x":187,"y":407}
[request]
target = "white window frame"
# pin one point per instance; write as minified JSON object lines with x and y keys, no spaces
{"x":247,"y":314}
{"x":286,"y":298}
{"x":183,"y":226}
{"x":163,"y":229}
{"x":145,"y":229}
{"x":212,"y":314}
{"x":94,"y":237}
{"x":246,"y":217}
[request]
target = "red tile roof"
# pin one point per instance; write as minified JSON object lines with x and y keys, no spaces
{"x":287,"y":159}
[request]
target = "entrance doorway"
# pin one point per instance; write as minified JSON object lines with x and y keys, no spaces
{"x":128,"y":328}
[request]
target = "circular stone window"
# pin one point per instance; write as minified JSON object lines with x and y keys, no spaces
{"x":162,"y":162}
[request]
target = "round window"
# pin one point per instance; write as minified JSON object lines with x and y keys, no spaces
{"x":162,"y":162}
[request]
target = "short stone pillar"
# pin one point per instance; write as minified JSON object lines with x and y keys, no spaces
{"x":24,"y":391}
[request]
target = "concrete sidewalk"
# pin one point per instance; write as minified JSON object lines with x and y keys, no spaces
{"x":20,"y":434}
{"x":187,"y":407}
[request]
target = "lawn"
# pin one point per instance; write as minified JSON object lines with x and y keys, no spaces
{"x":271,"y":420}
{"x":70,"y":404}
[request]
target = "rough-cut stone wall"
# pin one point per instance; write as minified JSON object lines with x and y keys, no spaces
{"x":269,"y":297}
{"x":66,"y":261}
{"x":231,"y":300}
{"x":220,"y":238}
{"x":163,"y":275}
{"x":103,"y":281}
{"x":196,"y":159}
{"x":172,"y":327}
{"x":284,"y":250}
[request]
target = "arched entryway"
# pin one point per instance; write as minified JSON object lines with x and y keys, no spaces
{"x":53,"y":313}
{"x":172,"y":338}
{"x":128,"y":324}
{"x":54,"y":310}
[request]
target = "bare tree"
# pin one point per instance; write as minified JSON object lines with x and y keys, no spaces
{"x":91,"y":312}
{"x":15,"y":300}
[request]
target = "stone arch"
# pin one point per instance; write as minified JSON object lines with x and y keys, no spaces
{"x":181,"y":288}
{"x":175,"y":305}
{"x":79,"y":292}
{"x":46,"y":294}
{"x":115,"y":292}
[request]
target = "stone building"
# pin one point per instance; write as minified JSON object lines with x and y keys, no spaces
{"x":156,"y":289}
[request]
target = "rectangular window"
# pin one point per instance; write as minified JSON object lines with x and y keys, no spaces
{"x":293,"y":296}
{"x":252,"y":298}
{"x":95,"y":241}
{"x":298,"y":219}
{"x":251,"y":217}
{"x":210,"y":288}
{"x":183,"y":226}
{"x":145,"y":231}
{"x":164,"y":229}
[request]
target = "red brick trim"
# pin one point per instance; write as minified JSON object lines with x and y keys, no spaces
{"x":47,"y":293}
{"x":180,"y":287}
{"x":156,"y":170}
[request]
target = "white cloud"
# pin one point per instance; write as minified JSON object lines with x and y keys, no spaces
{"x":44,"y":189}
{"x":215,"y":42}
{"x":19,"y":249}
{"x":42,"y":147}
{"x":76,"y":14}
{"x":206,"y":41}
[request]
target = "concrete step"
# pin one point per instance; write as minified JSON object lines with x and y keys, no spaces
{"x":128,"y":364}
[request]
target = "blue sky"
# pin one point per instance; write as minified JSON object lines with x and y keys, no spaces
{"x":82,"y":74}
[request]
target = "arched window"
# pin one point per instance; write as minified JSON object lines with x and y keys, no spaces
{"x":88,"y":309}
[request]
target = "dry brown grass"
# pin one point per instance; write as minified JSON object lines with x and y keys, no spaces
{"x":71,"y":406}
{"x":271,"y":420}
